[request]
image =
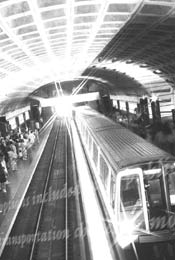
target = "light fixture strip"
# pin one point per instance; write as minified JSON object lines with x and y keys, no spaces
{"x":70,"y":24}
{"x":96,"y":27}
{"x":39,"y":23}
{"x":14,"y":38}
{"x":8,"y":58}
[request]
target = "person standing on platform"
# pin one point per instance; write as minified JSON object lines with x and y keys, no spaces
{"x":31,"y":141}
{"x":31,"y":138}
{"x":3,"y":177}
{"x":12,"y":160}
{"x":24,"y":143}
{"x":37,"y":126}
{"x":36,"y":133}
{"x":4,"y":165}
{"x":3,"y":150}
{"x":164,"y":138}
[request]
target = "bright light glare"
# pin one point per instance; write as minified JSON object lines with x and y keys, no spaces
{"x":64,"y":107}
{"x":127,"y":227}
{"x":126,"y":237}
{"x":172,"y":199}
{"x":154,"y":98}
{"x":125,"y":241}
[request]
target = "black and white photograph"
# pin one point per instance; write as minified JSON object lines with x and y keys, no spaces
{"x":87,"y":129}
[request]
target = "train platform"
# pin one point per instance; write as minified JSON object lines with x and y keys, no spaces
{"x":11,"y":201}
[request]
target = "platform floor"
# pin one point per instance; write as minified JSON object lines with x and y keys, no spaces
{"x":11,"y":201}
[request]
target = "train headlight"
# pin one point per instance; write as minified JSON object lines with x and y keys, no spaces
{"x":125,"y":241}
{"x":127,"y":227}
{"x":126,"y":233}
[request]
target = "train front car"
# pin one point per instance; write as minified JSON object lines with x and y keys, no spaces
{"x":146,"y":202}
{"x":137,"y":183}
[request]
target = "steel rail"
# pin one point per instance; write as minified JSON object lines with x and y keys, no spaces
{"x":77,"y":201}
{"x":44,"y":192}
{"x":66,"y":197}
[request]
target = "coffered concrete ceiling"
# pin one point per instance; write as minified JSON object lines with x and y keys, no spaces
{"x":42,"y":41}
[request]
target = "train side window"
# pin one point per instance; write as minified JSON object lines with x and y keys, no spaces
{"x":104,"y":171}
{"x":90,"y":143}
{"x":82,"y":129}
{"x":130,"y":193}
{"x":95,"y":153}
{"x":86,"y":137}
{"x":112,"y":190}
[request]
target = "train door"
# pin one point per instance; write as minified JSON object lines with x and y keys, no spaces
{"x":131,"y":202}
{"x":160,"y":190}
{"x":112,"y":190}
{"x":155,"y":191}
{"x":159,"y":187}
{"x":169,"y":169}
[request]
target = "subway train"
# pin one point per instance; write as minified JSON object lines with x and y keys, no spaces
{"x":136,"y":179}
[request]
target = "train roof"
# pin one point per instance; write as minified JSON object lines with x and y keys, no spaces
{"x":122,"y":146}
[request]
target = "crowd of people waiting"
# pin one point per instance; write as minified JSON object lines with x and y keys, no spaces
{"x":160,"y":133}
{"x":14,"y":147}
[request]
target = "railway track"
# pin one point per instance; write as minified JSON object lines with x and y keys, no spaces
{"x":47,"y":226}
{"x":46,"y":219}
{"x":78,"y":244}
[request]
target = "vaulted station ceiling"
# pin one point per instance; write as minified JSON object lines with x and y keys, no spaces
{"x":42,"y":41}
{"x":147,"y":40}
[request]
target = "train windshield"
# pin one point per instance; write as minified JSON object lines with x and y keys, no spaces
{"x":155,"y":193}
{"x":130,"y":193}
{"x":131,"y":213}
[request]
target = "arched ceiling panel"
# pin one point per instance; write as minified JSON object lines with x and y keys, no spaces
{"x":147,"y":38}
{"x":46,"y":40}
{"x":58,"y":38}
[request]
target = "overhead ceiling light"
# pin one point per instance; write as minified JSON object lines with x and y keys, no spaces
{"x":154,"y":98}
{"x":129,"y":61}
{"x":169,"y":81}
{"x":114,"y":59}
{"x":100,"y":59}
{"x":157,"y":72}
{"x":144,"y":66}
